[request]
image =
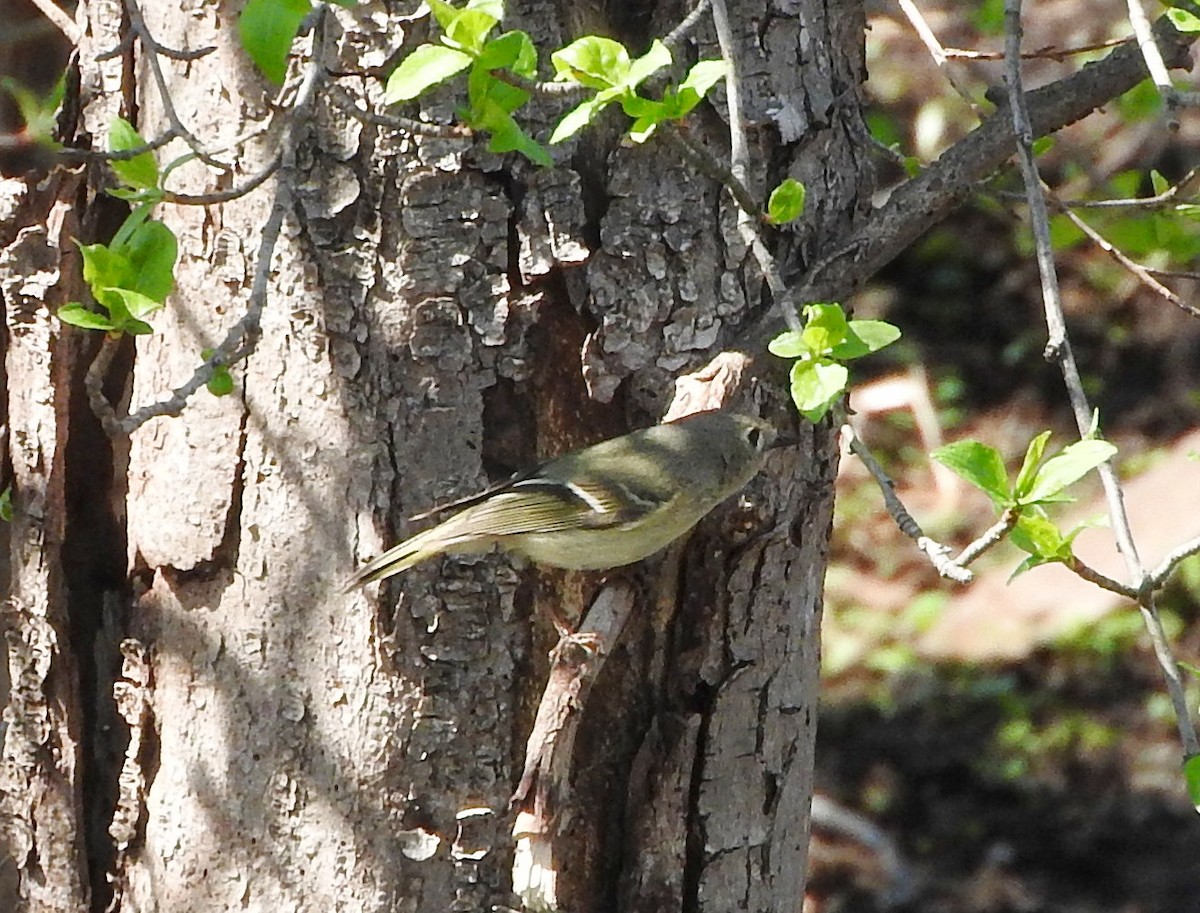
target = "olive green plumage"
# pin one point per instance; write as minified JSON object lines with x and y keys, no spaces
{"x":605,"y":506}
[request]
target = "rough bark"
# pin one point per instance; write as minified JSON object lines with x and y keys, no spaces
{"x":201,"y":715}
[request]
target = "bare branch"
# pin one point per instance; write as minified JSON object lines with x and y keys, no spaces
{"x":990,"y":538}
{"x":224,"y":196}
{"x":1154,"y":61}
{"x":343,"y":100}
{"x":153,"y":50}
{"x":1159,"y":575}
{"x":1047,"y":53}
{"x":938,"y":554}
{"x":676,"y":36}
{"x":1091,"y":575}
{"x":1140,"y":272}
{"x":739,"y":156}
{"x":60,"y":18}
{"x":541,"y":796}
{"x":936,"y":51}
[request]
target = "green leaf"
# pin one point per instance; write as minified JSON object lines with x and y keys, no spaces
{"x":220,"y":383}
{"x":1042,"y":144}
{"x":1160,"y":184}
{"x":141,"y":171}
{"x":79,"y":316}
{"x":443,"y":12}
{"x":483,"y":89}
{"x":104,"y":268}
{"x":513,"y":51}
{"x":137,"y":304}
{"x":864,"y":337}
{"x":789,"y":344}
{"x":824,"y":327}
{"x":1030,"y":562}
{"x":1191,"y":776}
{"x":1033,"y":459}
{"x":1067,"y":467}
{"x":469,"y":30}
{"x":494,"y":8}
{"x":507,"y":136}
{"x":592,"y":61}
{"x":786,"y":202}
{"x":979,"y":464}
{"x":424,"y":68}
{"x":576,"y":119}
{"x":815,"y":385}
{"x":151,"y":253}
{"x":1039,"y":536}
{"x":1184,"y":20}
{"x":702,"y":77}
{"x":648,"y":64}
{"x":6,"y":508}
{"x":643,"y":127}
{"x":267,"y":29}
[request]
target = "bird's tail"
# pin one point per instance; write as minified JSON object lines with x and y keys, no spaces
{"x":398,"y":558}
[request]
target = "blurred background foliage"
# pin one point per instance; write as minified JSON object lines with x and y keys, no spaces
{"x":1045,"y":777}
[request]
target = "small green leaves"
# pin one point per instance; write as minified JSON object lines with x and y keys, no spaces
{"x":1068,"y":467}
{"x":786,"y":203}
{"x":267,"y":29}
{"x":1039,"y":482}
{"x":139,"y":172}
{"x":38,"y":112}
{"x":423,"y":69}
{"x":818,"y":376}
{"x":980,"y":465}
{"x":6,"y":507}
{"x":130,"y":278}
{"x":1191,"y":776}
{"x":465,"y":45}
{"x":604,"y":65}
{"x":220,"y":382}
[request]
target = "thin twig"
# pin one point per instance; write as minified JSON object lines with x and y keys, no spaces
{"x":1146,"y":44}
{"x":676,"y":36}
{"x":93,"y":383}
{"x":1140,"y":272}
{"x":241,"y":338}
{"x":938,"y":554}
{"x":1047,"y":53}
{"x":342,"y":99}
{"x":990,"y":538}
{"x":1091,"y":575}
{"x":1159,"y":575}
{"x":60,"y":18}
{"x":1170,"y":670}
{"x":710,"y":166}
{"x":153,"y":49}
{"x":937,"y":52}
{"x":1158,"y":201}
{"x":739,"y":158}
{"x":224,"y":196}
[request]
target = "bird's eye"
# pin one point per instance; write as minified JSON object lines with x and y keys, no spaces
{"x":754,"y":437}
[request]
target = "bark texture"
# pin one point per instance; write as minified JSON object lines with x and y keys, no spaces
{"x":437,"y":316}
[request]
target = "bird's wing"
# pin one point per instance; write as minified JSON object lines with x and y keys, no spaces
{"x":542,"y":506}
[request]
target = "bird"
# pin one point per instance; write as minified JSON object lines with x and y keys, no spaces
{"x":605,"y":506}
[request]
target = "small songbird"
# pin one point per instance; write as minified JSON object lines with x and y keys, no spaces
{"x":605,"y":506}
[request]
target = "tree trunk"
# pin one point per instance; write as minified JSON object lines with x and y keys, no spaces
{"x":437,"y":316}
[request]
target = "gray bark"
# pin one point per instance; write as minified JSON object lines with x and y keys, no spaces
{"x":437,"y":314}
